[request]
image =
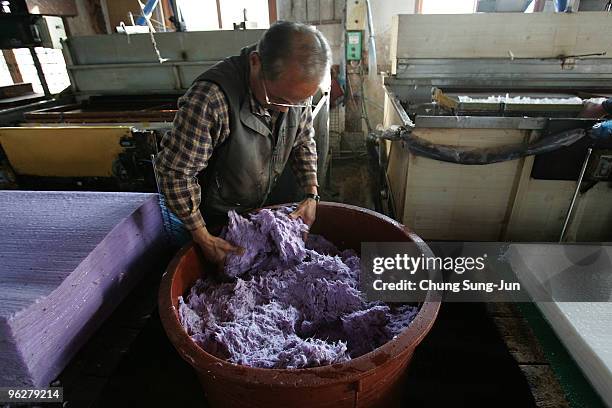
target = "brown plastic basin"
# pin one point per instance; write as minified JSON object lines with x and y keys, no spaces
{"x":371,"y":380}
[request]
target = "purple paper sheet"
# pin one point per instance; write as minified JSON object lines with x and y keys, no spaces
{"x":66,"y":261}
{"x":290,"y":305}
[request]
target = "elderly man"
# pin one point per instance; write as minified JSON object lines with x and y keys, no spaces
{"x":236,"y":128}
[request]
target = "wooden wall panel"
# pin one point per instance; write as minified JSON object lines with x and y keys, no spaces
{"x":458,"y":202}
{"x":541,"y":213}
{"x":493,"y":35}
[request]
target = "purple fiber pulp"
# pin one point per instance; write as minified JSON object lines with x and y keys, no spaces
{"x":291,"y":304}
{"x":269,"y":240}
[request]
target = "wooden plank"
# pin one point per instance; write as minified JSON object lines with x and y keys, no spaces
{"x":518,"y":192}
{"x":594,"y":215}
{"x":520,"y":188}
{"x":52,"y":7}
{"x":418,"y":6}
{"x":527,"y":351}
{"x":338,"y":9}
{"x":519,"y":198}
{"x":541,"y":211}
{"x":327,"y":10}
{"x":356,"y":15}
{"x":16,"y":90}
{"x":458,"y":202}
{"x":313,"y":12}
{"x":299,"y":10}
{"x":494,"y":35}
{"x":272,"y":13}
{"x":397,"y":160}
{"x":219,"y":14}
{"x":539,"y":6}
{"x":167,"y":14}
{"x":502,"y":309}
{"x":520,"y":340}
{"x":545,"y":387}
{"x":397,"y":169}
{"x":13,"y":66}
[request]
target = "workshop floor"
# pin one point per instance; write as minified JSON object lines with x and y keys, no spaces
{"x":463,"y":362}
{"x":130,"y":362}
{"x":476,"y":355}
{"x":349,"y":182}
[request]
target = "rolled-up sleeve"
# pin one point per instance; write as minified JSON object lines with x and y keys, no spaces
{"x":200,"y":124}
{"x":304,"y":152}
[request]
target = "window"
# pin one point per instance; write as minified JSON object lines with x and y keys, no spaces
{"x":202,"y":14}
{"x":53,"y":65}
{"x":232,"y":12}
{"x":5,"y":75}
{"x":199,"y":15}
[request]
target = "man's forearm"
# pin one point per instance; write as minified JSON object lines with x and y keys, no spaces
{"x":183,"y":199}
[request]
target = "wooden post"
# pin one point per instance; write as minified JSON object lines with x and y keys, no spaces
{"x":13,"y":67}
{"x":272,"y":13}
{"x":41,"y":73}
{"x":219,"y":14}
{"x":167,"y":14}
{"x":418,"y":7}
{"x":539,"y":5}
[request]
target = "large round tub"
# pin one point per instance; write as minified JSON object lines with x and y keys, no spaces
{"x":373,"y":379}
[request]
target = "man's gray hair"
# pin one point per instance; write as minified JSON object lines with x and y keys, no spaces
{"x":286,"y":41}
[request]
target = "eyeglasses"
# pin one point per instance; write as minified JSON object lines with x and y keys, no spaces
{"x":302,"y":104}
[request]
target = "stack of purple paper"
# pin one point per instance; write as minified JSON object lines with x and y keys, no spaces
{"x":67,"y":259}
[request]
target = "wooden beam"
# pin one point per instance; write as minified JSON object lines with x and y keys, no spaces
{"x":15,"y":90}
{"x":272,"y":13}
{"x":492,"y":35}
{"x":107,"y":24}
{"x":167,"y":14}
{"x":52,"y":7}
{"x":574,"y":5}
{"x":219,"y":14}
{"x":539,"y":6}
{"x":519,"y":191}
{"x":418,"y":7}
{"x":13,"y":67}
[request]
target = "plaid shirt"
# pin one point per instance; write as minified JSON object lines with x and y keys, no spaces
{"x":200,"y":126}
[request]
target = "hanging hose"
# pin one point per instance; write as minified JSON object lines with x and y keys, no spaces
{"x":477,"y":156}
{"x":372,"y":64}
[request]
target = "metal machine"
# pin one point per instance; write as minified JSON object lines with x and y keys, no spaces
{"x":489,"y":85}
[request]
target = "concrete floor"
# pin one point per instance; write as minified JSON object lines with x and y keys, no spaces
{"x":465,"y":354}
{"x":349,"y":181}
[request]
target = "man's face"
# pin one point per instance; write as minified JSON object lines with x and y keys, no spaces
{"x":288,"y":88}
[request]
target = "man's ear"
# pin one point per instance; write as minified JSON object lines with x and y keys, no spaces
{"x":254,"y":60}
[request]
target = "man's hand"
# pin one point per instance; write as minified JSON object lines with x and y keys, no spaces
{"x":215,"y":249}
{"x":306,"y":210}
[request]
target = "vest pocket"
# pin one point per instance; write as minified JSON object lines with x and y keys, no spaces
{"x":241,"y":193}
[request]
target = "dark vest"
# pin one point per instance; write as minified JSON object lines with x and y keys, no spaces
{"x":244,"y":168}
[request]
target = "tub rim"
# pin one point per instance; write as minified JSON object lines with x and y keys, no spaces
{"x":353,"y":370}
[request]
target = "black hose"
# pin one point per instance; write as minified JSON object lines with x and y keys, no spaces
{"x":479,"y":156}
